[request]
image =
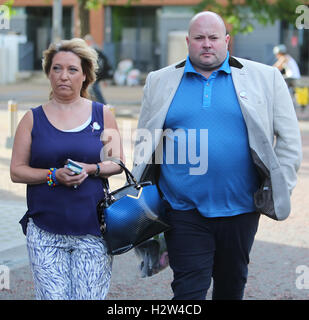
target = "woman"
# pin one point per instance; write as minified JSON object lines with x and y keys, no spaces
{"x":67,"y":254}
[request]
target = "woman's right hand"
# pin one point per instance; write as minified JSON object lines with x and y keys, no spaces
{"x":68,"y":178}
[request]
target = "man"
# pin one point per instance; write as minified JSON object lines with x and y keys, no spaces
{"x":285,"y":63}
{"x":288,"y":67}
{"x":230,"y":111}
{"x":104,"y":71}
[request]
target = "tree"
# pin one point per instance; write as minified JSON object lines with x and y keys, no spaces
{"x":9,"y":4}
{"x":238,"y":14}
{"x":241,"y":14}
{"x":83,"y":9}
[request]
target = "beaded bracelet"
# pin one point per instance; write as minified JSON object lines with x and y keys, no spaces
{"x":51,"y":177}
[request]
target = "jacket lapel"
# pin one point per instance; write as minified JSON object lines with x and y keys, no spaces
{"x":169,"y":88}
{"x":244,"y":95}
{"x":239,"y":77}
{"x":255,"y":127}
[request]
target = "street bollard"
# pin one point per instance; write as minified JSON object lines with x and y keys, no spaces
{"x":302,"y":96}
{"x":12,"y":112}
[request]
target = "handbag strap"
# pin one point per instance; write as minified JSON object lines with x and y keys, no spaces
{"x":130,"y":178}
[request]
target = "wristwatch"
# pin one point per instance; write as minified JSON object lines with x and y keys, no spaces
{"x":97,"y":172}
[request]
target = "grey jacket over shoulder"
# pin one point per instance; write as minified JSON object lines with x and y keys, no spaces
{"x":272,"y":126}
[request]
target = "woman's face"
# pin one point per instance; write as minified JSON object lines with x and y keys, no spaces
{"x":66,"y":75}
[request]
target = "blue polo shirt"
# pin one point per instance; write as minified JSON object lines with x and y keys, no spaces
{"x":207,"y":163}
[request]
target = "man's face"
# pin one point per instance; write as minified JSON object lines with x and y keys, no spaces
{"x":207,"y":43}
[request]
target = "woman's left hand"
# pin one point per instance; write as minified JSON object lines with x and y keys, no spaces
{"x":68,"y":178}
{"x":90,"y":169}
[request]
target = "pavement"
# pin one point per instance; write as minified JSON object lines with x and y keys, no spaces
{"x":279,"y":261}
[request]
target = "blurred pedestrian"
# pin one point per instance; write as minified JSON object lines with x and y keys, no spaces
{"x":231,"y":128}
{"x":68,"y":256}
{"x":288,"y":67}
{"x":286,"y":63}
{"x":105,"y":71}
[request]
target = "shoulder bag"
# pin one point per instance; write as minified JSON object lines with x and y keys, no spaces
{"x":130,"y":215}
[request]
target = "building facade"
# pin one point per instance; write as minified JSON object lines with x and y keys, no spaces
{"x":149,"y":32}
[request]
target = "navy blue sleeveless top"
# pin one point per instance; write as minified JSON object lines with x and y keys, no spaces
{"x":65,"y":210}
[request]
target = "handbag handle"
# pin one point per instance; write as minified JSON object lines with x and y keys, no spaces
{"x":130,"y":178}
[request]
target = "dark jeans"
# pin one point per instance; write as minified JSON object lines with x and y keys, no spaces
{"x":202,"y":248}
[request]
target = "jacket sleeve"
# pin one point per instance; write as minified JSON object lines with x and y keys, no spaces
{"x":286,"y":129}
{"x":138,"y":161}
{"x":143,"y":117}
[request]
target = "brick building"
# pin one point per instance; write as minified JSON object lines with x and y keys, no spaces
{"x":144,"y":32}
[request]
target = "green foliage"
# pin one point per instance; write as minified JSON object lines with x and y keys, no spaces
{"x":95,"y":4}
{"x":241,"y":16}
{"x":9,"y":4}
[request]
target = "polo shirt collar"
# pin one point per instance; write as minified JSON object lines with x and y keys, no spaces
{"x":225,"y":67}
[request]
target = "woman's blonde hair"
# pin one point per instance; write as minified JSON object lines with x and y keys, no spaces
{"x":79,"y":47}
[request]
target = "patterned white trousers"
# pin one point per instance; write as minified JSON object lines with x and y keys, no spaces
{"x":68,"y":267}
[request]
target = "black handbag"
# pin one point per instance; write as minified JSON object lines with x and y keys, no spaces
{"x":130,"y":215}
